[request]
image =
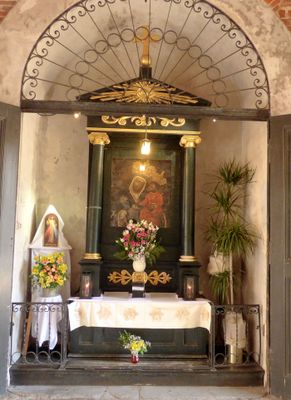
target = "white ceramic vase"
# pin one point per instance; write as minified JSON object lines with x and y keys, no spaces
{"x":139,"y":263}
{"x":46,"y":292}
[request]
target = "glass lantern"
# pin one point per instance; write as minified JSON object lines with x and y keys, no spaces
{"x":86,"y":286}
{"x":189,"y":287}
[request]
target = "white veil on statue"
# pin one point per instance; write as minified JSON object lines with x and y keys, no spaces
{"x":53,"y":242}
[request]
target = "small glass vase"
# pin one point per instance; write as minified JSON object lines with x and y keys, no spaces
{"x":134,"y":357}
{"x":139,"y":264}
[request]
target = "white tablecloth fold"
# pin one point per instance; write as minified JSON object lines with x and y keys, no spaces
{"x":147,"y":313}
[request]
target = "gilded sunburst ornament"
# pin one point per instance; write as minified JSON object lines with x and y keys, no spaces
{"x":144,"y":91}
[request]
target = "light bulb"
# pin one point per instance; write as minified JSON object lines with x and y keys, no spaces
{"x":77,"y":114}
{"x":145,"y":147}
{"x":142,"y":167}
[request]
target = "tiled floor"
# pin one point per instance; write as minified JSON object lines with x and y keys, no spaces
{"x":134,"y":393}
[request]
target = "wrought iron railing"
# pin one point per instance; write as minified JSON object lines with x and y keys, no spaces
{"x":236,"y":333}
{"x":39,"y":334}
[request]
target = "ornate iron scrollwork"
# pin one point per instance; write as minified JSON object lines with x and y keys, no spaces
{"x":209,"y":56}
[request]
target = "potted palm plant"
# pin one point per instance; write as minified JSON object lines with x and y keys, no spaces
{"x":231,"y":235}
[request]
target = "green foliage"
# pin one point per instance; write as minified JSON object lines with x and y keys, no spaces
{"x":231,"y":236}
{"x":228,"y":230}
{"x":233,"y":174}
{"x":219,"y":285}
{"x":133,"y":343}
{"x":155,"y":254}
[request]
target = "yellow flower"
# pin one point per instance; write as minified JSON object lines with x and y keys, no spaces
{"x":63,"y":268}
{"x":60,"y":281}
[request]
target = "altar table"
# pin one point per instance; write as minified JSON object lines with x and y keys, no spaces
{"x":151,"y":312}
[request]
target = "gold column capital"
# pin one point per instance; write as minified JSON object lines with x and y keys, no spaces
{"x":92,"y":256}
{"x":187,"y":258}
{"x":100,"y":138}
{"x":190,"y":140}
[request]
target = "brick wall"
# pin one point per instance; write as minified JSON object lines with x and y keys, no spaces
{"x":283,"y":9}
{"x":5,"y":7}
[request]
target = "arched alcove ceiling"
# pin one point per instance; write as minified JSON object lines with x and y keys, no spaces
{"x":193,"y":46}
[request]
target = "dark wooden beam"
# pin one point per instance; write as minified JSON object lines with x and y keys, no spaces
{"x":117,"y":109}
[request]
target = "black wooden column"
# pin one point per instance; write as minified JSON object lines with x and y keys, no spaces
{"x":92,"y":259}
{"x":188,"y":203}
{"x":188,"y":263}
{"x":94,"y":202}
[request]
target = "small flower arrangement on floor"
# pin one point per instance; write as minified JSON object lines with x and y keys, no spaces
{"x":49,"y":271}
{"x":135,"y":344}
{"x":139,"y":239}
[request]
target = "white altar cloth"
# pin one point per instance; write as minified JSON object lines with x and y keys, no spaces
{"x":150,"y":312}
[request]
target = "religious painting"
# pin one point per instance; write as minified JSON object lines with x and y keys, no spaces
{"x":51,"y":231}
{"x":140,"y":193}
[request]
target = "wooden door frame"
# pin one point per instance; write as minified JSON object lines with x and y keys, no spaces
{"x":9,"y":156}
{"x":280,"y":255}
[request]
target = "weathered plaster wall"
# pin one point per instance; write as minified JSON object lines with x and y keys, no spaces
{"x":255,"y":288}
{"x":62,"y":179}
{"x":221,"y":141}
{"x":281,"y":7}
{"x":273,"y":42}
{"x":245,"y":142}
{"x":26,"y":201}
{"x":25,"y":216}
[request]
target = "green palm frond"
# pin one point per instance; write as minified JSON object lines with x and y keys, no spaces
{"x":219,"y":285}
{"x":228,"y":230}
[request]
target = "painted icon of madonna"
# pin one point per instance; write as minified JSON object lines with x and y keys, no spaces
{"x":139,"y":194}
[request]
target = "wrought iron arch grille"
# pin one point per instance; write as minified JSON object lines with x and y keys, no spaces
{"x":191,"y":44}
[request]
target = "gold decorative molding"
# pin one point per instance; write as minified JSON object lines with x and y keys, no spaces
{"x":154,"y":278}
{"x":92,"y":256}
{"x":190,"y":140}
{"x":139,"y":277}
{"x":122,"y":121}
{"x":172,"y":122}
{"x":187,"y":258}
{"x":124,"y":277}
{"x":148,"y":130}
{"x":144,"y":91}
{"x":100,"y":138}
{"x":143,"y":121}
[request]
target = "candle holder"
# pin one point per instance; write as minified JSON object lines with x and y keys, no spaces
{"x":86,"y":286}
{"x":189,"y":287}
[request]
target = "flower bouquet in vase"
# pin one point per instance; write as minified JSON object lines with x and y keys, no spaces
{"x":135,"y":344}
{"x":139,"y":243}
{"x":49,"y":272}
